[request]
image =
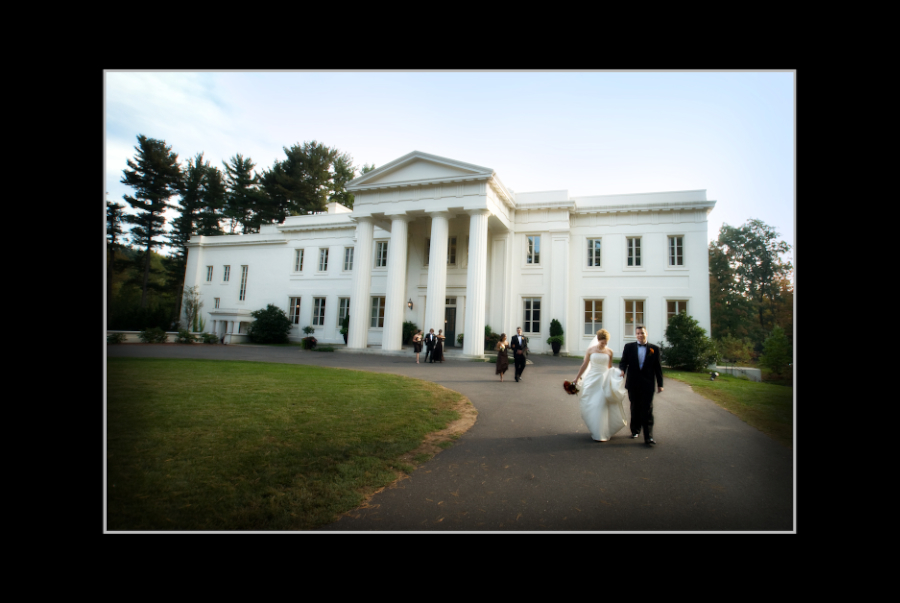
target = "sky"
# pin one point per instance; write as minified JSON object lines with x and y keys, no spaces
{"x":589,"y":132}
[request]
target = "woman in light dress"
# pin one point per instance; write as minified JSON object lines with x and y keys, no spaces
{"x":602,"y":390}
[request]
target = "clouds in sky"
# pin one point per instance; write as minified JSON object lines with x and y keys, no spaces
{"x":592,"y":133}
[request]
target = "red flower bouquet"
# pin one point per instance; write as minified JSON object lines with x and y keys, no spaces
{"x":571,"y":388}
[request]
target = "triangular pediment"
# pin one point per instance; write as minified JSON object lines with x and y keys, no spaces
{"x":418,"y":168}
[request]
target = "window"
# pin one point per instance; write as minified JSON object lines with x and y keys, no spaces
{"x":216,"y":299}
{"x":533,"y":255}
{"x":343,"y":310}
{"x":451,"y":250}
{"x":209,"y":274}
{"x":676,"y":251}
{"x":348,"y":258}
{"x":377,"y":312}
{"x":295,"y":311}
{"x":319,"y":312}
{"x":323,"y":259}
{"x":298,"y":260}
{"x":243,"y":293}
{"x":427,"y":250}
{"x":634,"y":315}
{"x":593,"y":253}
{"x":634,"y":251}
{"x":593,"y":316}
{"x":675,"y":307}
{"x":381,"y":254}
{"x":227,"y":274}
{"x":449,"y":301}
{"x":532,"y":322}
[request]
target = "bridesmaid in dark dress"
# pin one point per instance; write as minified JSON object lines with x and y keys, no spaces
{"x":417,"y":344}
{"x":438,"y":355}
{"x":502,"y":357}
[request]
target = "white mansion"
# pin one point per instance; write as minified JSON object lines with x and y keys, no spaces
{"x":446,"y":245}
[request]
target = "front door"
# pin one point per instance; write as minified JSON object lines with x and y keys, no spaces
{"x":450,"y":327}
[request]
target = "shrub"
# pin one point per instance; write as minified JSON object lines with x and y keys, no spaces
{"x":271,"y":325}
{"x":115,"y":338}
{"x":689,"y":348}
{"x":734,"y":350}
{"x":490,"y":338}
{"x":209,"y":338}
{"x":777,"y":353}
{"x":345,"y":325}
{"x":459,"y":339}
{"x":153,"y":335}
{"x":409,"y":329}
{"x":185,"y":336}
{"x":309,"y":343}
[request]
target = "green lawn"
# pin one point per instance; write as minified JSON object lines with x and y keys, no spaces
{"x":221,"y":445}
{"x":768,"y":407}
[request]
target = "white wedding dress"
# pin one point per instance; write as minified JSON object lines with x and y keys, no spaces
{"x":602,"y":393}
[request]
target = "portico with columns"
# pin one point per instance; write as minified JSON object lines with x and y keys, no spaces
{"x":421,"y":193}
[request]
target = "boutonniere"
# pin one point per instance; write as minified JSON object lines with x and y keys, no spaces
{"x":651,"y":350}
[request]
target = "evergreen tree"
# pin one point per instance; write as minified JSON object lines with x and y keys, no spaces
{"x":214,"y":198}
{"x":688,"y":346}
{"x":156,"y":176}
{"x":243,"y":203}
{"x":114,"y":220}
{"x":310,"y":175}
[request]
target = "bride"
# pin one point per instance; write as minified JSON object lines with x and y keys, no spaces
{"x":602,"y":390}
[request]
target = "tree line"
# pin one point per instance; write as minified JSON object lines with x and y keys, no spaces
{"x":210,"y":201}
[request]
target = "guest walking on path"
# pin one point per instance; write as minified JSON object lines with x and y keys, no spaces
{"x":502,"y":356}
{"x":519,"y":346}
{"x":429,"y":345}
{"x":438,"y":355}
{"x":417,"y":344}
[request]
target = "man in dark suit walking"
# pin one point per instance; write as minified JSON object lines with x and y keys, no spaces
{"x":640,"y":363}
{"x":519,"y":345}
{"x":430,"y":340}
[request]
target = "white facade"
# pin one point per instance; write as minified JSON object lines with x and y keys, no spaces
{"x":509,"y":259}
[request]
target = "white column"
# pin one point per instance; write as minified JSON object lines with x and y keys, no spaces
{"x":437,"y":272}
{"x":476,"y":283}
{"x":394,"y":299}
{"x":559,"y":287}
{"x":358,"y":332}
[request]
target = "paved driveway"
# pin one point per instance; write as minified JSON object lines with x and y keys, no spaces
{"x":529,"y":463}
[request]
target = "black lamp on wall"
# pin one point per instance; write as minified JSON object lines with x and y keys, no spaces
{"x":409,"y":304}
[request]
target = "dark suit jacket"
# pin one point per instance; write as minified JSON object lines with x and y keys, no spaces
{"x":430,"y":340}
{"x":636,"y":377}
{"x":514,"y":344}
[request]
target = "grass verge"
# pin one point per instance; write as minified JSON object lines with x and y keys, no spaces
{"x":768,"y":407}
{"x":222,"y":445}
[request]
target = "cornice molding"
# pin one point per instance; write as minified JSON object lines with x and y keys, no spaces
{"x":645,"y":207}
{"x":231,"y":243}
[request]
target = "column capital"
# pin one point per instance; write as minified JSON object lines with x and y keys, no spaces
{"x":481,"y":211}
{"x":401,"y":216}
{"x":440,"y":214}
{"x":364,"y":219}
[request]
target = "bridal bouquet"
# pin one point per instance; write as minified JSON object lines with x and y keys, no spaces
{"x":570,"y":387}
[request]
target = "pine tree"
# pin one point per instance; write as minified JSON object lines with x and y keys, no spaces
{"x":243,"y":202}
{"x":310,"y":176}
{"x":156,"y":176}
{"x":114,"y":220}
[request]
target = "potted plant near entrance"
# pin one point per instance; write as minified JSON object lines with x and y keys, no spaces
{"x":556,"y":338}
{"x":345,"y":327}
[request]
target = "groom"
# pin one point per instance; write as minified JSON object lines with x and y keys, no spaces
{"x":640,"y":361}
{"x":430,"y":340}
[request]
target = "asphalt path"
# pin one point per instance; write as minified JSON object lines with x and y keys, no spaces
{"x":529,"y":463}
